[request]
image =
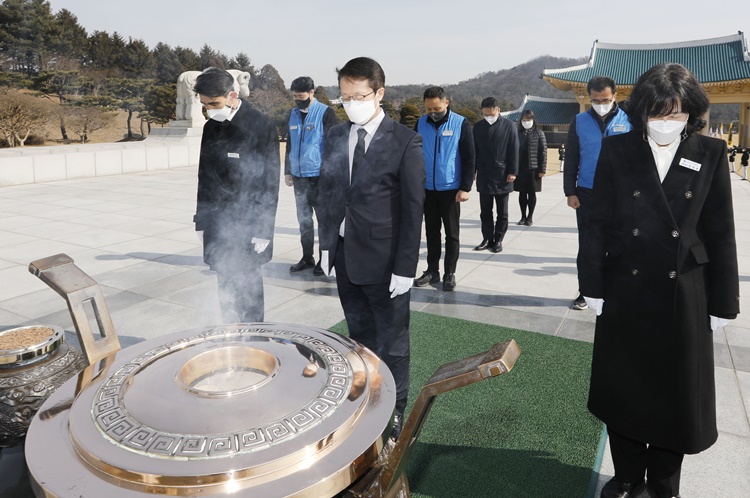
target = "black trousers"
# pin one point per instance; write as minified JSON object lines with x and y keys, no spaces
{"x":635,"y":461}
{"x":491,"y":229}
{"x":378,"y":322}
{"x":306,"y":199}
{"x":240,"y":293}
{"x":583,"y":213}
{"x":441,"y":210}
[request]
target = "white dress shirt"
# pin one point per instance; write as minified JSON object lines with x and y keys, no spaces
{"x":663,"y":156}
{"x":371,"y":127}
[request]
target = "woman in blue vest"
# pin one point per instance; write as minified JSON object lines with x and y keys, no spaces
{"x":532,"y":165}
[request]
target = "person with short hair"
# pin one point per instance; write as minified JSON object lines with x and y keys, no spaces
{"x":659,"y":265}
{"x":371,"y":198}
{"x":309,"y":122}
{"x":604,"y":118}
{"x":496,"y":146}
{"x":532,"y":165}
{"x":238,"y":190}
{"x":448,"y":149}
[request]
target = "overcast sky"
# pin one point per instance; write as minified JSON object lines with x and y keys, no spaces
{"x":416,"y":41}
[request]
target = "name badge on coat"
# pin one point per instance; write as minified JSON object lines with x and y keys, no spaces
{"x":447,"y":133}
{"x":619,"y":128}
{"x":690,"y":164}
{"x":293,"y":127}
{"x":233,"y":155}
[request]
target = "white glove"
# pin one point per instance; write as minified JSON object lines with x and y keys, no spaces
{"x":717,"y":322}
{"x":260,"y":244}
{"x":200,"y":234}
{"x":595,"y":303}
{"x":400,"y":285}
{"x":328,"y":269}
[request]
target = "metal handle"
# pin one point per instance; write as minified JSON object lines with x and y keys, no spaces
{"x":78,"y":290}
{"x":497,"y":361}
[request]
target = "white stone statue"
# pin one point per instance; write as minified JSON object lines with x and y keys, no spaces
{"x":241,"y":82}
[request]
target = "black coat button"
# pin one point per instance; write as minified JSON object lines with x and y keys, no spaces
{"x":634,"y":271}
{"x":675,"y":233}
{"x":636,"y":232}
{"x":688,"y":195}
{"x":673,"y":274}
{"x":636,"y":193}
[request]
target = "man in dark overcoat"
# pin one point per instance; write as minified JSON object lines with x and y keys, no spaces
{"x":661,"y":253}
{"x":496,"y":145}
{"x":238,"y":187}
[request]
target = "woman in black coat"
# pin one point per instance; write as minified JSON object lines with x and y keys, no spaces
{"x":532,"y":165}
{"x":659,"y":265}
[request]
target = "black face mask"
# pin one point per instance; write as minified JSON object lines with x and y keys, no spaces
{"x":437,"y":116}
{"x":302,"y":104}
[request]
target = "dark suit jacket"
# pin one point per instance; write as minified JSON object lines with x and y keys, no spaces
{"x":383,"y":207}
{"x":497,"y":155}
{"x":663,"y":256}
{"x":238,"y":187}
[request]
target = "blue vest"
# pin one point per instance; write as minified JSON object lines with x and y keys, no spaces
{"x":590,"y":142}
{"x":442,"y":162}
{"x":306,"y":140}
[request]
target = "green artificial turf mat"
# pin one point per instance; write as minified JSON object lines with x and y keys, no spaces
{"x":526,"y":433}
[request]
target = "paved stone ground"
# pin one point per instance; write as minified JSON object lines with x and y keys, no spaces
{"x":134,"y":235}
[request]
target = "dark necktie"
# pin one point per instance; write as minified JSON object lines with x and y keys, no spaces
{"x":359,"y":152}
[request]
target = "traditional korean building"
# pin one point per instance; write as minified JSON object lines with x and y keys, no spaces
{"x":553,"y":116}
{"x":722,"y":65}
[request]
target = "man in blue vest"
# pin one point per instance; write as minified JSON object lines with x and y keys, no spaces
{"x":448,"y":149}
{"x":309,"y":122}
{"x":584,"y":142}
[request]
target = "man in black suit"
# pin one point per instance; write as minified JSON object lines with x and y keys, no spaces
{"x":238,"y":190}
{"x":371,"y":194}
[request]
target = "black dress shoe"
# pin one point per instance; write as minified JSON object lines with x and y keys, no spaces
{"x":449,"y":282}
{"x":484,"y":245}
{"x":398,"y":422}
{"x":303,"y":264}
{"x":522,"y":221}
{"x":529,"y":222}
{"x":497,"y":247}
{"x":318,"y":270}
{"x":619,"y":489}
{"x":427,"y":277}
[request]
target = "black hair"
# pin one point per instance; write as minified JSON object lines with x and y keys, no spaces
{"x":527,"y":114}
{"x":599,"y":83}
{"x":363,"y":68}
{"x":434,"y":92}
{"x":303,"y":84}
{"x":660,"y":90}
{"x":214,"y":82}
{"x":489,"y":103}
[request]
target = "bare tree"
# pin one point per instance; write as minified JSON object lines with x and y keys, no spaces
{"x":20,"y":114}
{"x":84,"y":120}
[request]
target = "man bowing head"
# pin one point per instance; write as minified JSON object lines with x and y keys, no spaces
{"x":371,"y":196}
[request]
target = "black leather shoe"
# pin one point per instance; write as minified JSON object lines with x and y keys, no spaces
{"x":427,"y":278}
{"x":318,"y":271}
{"x":449,"y":282}
{"x":619,"y":489}
{"x":529,"y":222}
{"x":398,"y":422}
{"x":303,"y":264}
{"x":522,"y":221}
{"x":484,"y":245}
{"x":497,"y":247}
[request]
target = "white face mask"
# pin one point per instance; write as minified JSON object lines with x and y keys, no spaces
{"x":360,"y":113}
{"x":527,"y":124}
{"x":491,"y":119}
{"x":602,"y":109}
{"x":665,"y":132}
{"x":219,"y":114}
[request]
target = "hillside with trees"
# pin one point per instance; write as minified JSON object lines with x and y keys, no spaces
{"x":52,"y":70}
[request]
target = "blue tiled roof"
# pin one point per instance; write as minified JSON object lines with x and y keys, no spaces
{"x":547,"y":111}
{"x":712,"y":60}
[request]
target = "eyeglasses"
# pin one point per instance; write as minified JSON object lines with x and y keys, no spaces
{"x":356,"y":98}
{"x":601,"y":102}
